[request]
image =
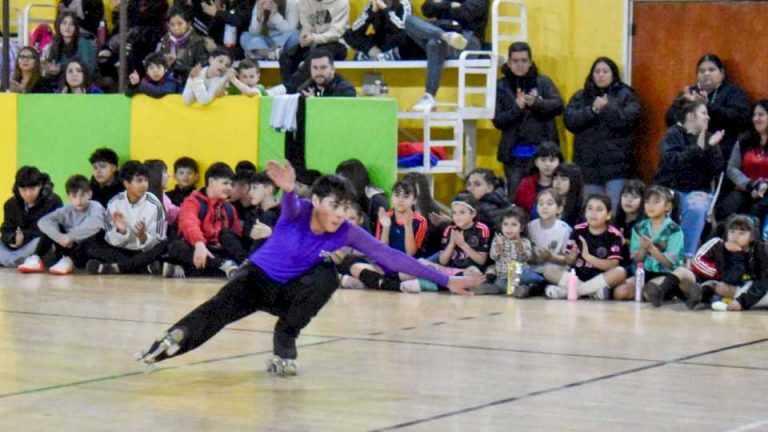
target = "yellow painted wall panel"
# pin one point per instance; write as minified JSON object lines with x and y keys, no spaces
{"x":227,"y":130}
{"x":8,"y":138}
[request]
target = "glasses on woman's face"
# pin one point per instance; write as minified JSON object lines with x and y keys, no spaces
{"x":26,"y":57}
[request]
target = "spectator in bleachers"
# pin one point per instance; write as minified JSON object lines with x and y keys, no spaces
{"x":457,"y":25}
{"x":569,"y":186}
{"x":369,"y":197}
{"x":89,"y":14}
{"x":748,"y":166}
{"x":32,"y":199}
{"x":104,"y":182}
{"x":158,"y":81}
{"x":691,"y":159}
{"x":727,"y":103}
{"x":388,"y":40}
{"x":77,"y":80}
{"x":488,"y":193}
{"x":274,"y":27}
{"x":146,"y":25}
{"x":542,"y":168}
{"x":304,"y":181}
{"x":208,"y":83}
{"x":246,"y":82}
{"x":68,"y":45}
{"x":185,"y":171}
{"x":527,"y":104}
{"x":322,"y":25}
{"x":135,"y":228}
{"x":204,"y":215}
{"x":68,"y":230}
{"x":11,"y":59}
{"x":603,"y":116}
{"x":27,"y":76}
{"x":222,"y":21}
{"x":182,"y":47}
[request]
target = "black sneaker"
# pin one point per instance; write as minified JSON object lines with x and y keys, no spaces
{"x":693,"y":298}
{"x":486,"y":288}
{"x":653,"y":294}
{"x":99,"y":268}
{"x":93,"y":266}
{"x":155,"y":269}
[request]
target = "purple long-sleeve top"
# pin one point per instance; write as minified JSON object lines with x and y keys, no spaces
{"x":293,"y":249}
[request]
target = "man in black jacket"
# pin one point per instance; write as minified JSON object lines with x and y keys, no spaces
{"x":526,"y":106}
{"x":458,"y":25}
{"x":323,"y":82}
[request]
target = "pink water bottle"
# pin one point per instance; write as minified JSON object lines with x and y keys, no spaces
{"x":573,"y":286}
{"x":639,"y":281}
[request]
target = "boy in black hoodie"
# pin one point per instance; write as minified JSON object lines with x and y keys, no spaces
{"x":185,"y":171}
{"x":32,"y":199}
{"x":104,"y":182}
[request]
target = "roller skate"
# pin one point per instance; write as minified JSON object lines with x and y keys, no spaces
{"x":165,"y":346}
{"x":282,"y":367}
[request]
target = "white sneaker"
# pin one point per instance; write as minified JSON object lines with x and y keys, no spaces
{"x":425,"y":104}
{"x":555,"y":292}
{"x":229,"y":268}
{"x":32,"y":264}
{"x":719,"y":306}
{"x":411,"y":286}
{"x":63,"y":267}
{"x":173,"y":271}
{"x":350,"y":282}
{"x":455,"y":40}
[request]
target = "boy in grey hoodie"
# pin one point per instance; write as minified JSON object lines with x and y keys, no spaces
{"x":68,"y":228}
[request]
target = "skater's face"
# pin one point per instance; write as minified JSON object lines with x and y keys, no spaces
{"x":185,"y":177}
{"x":478,"y":186}
{"x":462,"y":215}
{"x":178,"y":25}
{"x":136,"y":188}
{"x":546,"y":165}
{"x":656,"y":207}
{"x":403,"y":201}
{"x":760,"y":119}
{"x":597,"y":214}
{"x":103,"y":172}
{"x":249,"y":77}
{"x":321,"y":70}
{"x":155,"y":72}
{"x":80,"y":199}
{"x":29,"y":194}
{"x":740,"y":237}
{"x":328,"y":213}
{"x":561,"y":184}
{"x":219,"y":188}
{"x":511,"y":228}
{"x":547,"y":207}
{"x":630,"y":203}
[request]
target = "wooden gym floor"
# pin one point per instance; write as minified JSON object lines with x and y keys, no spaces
{"x":375,"y":361}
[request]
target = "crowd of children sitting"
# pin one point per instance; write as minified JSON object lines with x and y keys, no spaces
{"x":125,"y":221}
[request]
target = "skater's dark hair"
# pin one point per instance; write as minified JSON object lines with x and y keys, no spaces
{"x":334,"y":185}
{"x":404,"y":187}
{"x":132,"y":169}
{"x":218,"y":170}
{"x":185,"y":162}
{"x":516,"y":213}
{"x":103,"y":154}
{"x":264,"y":180}
{"x":605,"y":199}
{"x":77,"y":183}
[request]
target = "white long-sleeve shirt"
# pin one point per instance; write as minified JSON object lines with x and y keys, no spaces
{"x":202,"y":89}
{"x":277,"y":22}
{"x":147,"y":209}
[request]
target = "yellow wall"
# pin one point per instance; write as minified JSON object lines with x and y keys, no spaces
{"x":7,"y":145}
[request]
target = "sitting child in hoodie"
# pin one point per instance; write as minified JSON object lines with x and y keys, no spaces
{"x":546,"y":159}
{"x":208,"y":83}
{"x":68,"y":230}
{"x":157,"y":83}
{"x":487,"y":190}
{"x":32,"y":199}
{"x":135,"y":228}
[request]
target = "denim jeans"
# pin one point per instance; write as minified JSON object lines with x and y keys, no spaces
{"x":694,"y":207}
{"x":612,"y":188}
{"x":428,"y":36}
{"x":529,"y":277}
{"x":252,"y":42}
{"x":9,"y":257}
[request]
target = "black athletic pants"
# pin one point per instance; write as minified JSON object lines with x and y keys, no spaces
{"x":129,"y":261}
{"x":294,"y":303}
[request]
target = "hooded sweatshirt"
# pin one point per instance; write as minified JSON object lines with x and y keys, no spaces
{"x":75,"y":224}
{"x":216,"y":218}
{"x":19,"y":215}
{"x":326,"y":20}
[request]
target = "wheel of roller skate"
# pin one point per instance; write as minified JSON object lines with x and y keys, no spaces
{"x":290,"y":368}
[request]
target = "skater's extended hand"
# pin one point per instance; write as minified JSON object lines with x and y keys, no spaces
{"x":460,"y":284}
{"x":201,"y":255}
{"x":282,"y":175}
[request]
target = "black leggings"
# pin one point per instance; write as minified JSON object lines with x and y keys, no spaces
{"x":294,"y":303}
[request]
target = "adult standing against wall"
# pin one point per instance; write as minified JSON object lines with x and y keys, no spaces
{"x":603,"y":116}
{"x":526,"y":106}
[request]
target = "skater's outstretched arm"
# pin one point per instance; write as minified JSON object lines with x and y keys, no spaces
{"x":396,"y":261}
{"x":284,"y":177}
